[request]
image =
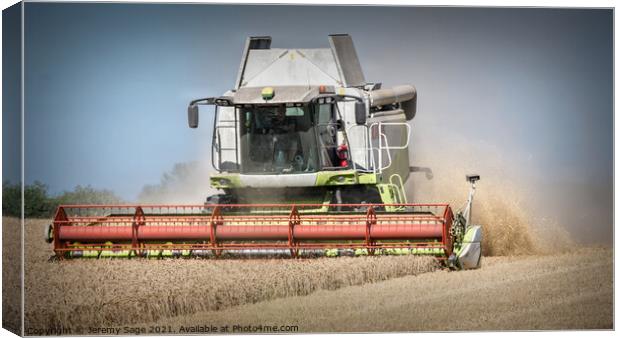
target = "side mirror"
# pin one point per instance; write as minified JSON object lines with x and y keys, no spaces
{"x":360,"y":112}
{"x":192,"y":116}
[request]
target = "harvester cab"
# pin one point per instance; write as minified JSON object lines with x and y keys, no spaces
{"x":306,"y":121}
{"x":311,"y":160}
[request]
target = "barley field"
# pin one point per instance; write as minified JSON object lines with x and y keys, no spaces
{"x":386,"y":293}
{"x":84,"y":293}
{"x":568,"y":291}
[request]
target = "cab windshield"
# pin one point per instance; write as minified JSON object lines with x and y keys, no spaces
{"x":283,"y":139}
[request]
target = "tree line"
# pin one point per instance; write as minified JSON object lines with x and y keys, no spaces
{"x":40,"y":203}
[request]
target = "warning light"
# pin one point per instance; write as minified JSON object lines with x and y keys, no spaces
{"x":267,"y":93}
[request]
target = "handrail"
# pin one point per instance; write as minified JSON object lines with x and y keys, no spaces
{"x":376,"y":163}
{"x":400,"y":187}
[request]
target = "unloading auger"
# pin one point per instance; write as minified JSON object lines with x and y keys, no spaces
{"x":310,"y":159}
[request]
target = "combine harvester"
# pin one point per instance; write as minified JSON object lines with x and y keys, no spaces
{"x":311,"y":160}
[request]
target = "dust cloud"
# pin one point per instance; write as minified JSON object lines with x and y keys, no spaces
{"x":503,"y":199}
{"x":185,"y":183}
